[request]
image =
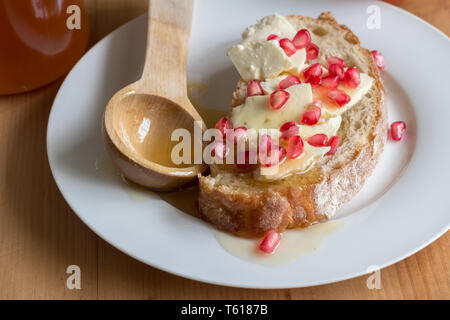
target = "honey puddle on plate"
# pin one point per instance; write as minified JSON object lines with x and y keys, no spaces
{"x":294,"y":243}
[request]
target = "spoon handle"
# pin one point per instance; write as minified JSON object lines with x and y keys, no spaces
{"x":169,"y":27}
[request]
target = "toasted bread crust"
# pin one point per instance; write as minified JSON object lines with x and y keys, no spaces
{"x":253,"y":214}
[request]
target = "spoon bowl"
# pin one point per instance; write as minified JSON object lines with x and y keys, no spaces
{"x":139,"y":119}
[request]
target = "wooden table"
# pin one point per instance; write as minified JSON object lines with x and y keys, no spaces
{"x":40,"y":235}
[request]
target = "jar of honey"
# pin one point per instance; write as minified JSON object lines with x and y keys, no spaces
{"x":40,"y":40}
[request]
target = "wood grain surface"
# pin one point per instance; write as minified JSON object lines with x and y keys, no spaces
{"x":40,"y":235}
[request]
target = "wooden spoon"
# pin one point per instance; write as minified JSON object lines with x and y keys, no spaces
{"x":140,"y":118}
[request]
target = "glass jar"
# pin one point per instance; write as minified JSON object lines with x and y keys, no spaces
{"x":40,"y":40}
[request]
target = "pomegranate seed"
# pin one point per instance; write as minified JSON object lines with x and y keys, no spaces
{"x":295,"y":147}
{"x":312,"y":51}
{"x":219,"y":150}
{"x":330,"y":81}
{"x":333,"y":143}
{"x":239,"y":133}
{"x":278,"y":99}
{"x":270,"y":241}
{"x":336,"y":60}
{"x":287,"y":46}
{"x":397,"y":130}
{"x":292,"y":131}
{"x":254,"y":89}
{"x":273,"y":37}
{"x":223,"y":125}
{"x":338,"y":96}
{"x":288,"y":130}
{"x":315,"y":81}
{"x":311,"y":116}
{"x":318,"y":140}
{"x":265,"y":143}
{"x":281,"y":154}
{"x":246,"y":156}
{"x":313,"y":70}
{"x":289,"y":81}
{"x":302,"y":39}
{"x":352,"y":77}
{"x":379,"y":59}
{"x":337,"y":70}
{"x":316,"y":103}
{"x":272,"y":158}
{"x":287,"y":125}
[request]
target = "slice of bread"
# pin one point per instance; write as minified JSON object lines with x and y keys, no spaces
{"x":235,"y":202}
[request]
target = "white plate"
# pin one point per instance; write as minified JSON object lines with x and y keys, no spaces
{"x":402,"y":208}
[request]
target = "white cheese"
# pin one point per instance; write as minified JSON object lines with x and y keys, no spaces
{"x":301,"y":164}
{"x":329,"y":107}
{"x":310,"y":154}
{"x":274,"y":24}
{"x":297,"y":61}
{"x":329,"y":127}
{"x":257,"y":113}
{"x":263,"y":59}
{"x":257,"y":58}
{"x":356,"y":94}
{"x":271,"y":85}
